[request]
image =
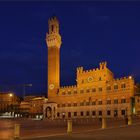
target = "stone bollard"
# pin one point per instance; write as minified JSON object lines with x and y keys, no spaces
{"x":129,"y":120}
{"x":69,"y":126}
{"x":17,"y":132}
{"x":103,"y":123}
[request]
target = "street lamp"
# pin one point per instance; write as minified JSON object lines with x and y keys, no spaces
{"x":25,"y":85}
{"x":10,"y":106}
{"x":130,"y":77}
{"x":11,"y":94}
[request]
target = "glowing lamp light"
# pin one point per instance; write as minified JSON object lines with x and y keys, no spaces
{"x":130,"y":77}
{"x":10,"y":94}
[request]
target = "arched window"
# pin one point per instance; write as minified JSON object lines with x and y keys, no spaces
{"x":52,"y":28}
{"x":115,"y":86}
{"x":123,"y":85}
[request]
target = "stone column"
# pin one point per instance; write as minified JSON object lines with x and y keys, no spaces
{"x":103,"y":123}
{"x":17,"y":132}
{"x":129,"y":120}
{"x":69,"y":126}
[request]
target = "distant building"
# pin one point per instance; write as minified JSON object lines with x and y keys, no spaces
{"x":29,"y":97}
{"x":32,"y":106}
{"x":9,"y":103}
{"x":24,"y":109}
{"x":96,"y":94}
{"x":36,"y":106}
{"x":137,"y":100}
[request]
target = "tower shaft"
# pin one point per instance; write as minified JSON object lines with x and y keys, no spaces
{"x":54,"y":66}
{"x":53,"y":40}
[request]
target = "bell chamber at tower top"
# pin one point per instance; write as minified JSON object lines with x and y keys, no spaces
{"x":53,"y":38}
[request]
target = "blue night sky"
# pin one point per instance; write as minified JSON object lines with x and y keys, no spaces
{"x":91,"y":32}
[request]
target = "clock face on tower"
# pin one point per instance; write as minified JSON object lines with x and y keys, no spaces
{"x":90,"y":79}
{"x":51,"y":86}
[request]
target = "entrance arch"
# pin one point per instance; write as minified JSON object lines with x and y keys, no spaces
{"x":50,"y":111}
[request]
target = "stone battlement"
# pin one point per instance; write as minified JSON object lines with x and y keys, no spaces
{"x":68,"y":87}
{"x":52,"y":20}
{"x":123,"y":78}
{"x":102,"y":66}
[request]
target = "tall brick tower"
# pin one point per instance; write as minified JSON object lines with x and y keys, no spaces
{"x":53,"y":40}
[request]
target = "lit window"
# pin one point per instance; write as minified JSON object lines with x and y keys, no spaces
{"x":100,"y":102}
{"x":52,"y":28}
{"x":108,"y":88}
{"x":123,"y":100}
{"x":123,"y":85}
{"x":69,"y":105}
{"x":93,"y":113}
{"x":108,"y":101}
{"x":82,"y":113}
{"x":58,"y":114}
{"x":108,"y":112}
{"x":69,"y":114}
{"x":82,"y":81}
{"x":63,"y":93}
{"x":115,"y":113}
{"x":123,"y":112}
{"x":100,"y":113}
{"x":88,"y":90}
{"x":93,"y":103}
{"x":94,"y":90}
{"x":115,"y":101}
{"x":75,"y":104}
{"x":87,"y":103}
{"x":63,"y":105}
{"x":87,"y":113}
{"x":115,"y":86}
{"x":100,"y":89}
{"x":63,"y":115}
{"x":69,"y":92}
{"x":75,"y":113}
{"x":82,"y":104}
{"x":81,"y":91}
{"x":75,"y":91}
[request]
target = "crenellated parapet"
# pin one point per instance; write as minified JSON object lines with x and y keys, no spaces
{"x":79,"y":69}
{"x":53,"y":20}
{"x":91,"y":70}
{"x":53,"y":40}
{"x":68,"y":90}
{"x":123,"y":79}
{"x":102,"y":66}
{"x":53,"y":25}
{"x":53,"y":37}
{"x":68,"y":87}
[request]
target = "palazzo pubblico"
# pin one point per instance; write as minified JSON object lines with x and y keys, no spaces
{"x":97,"y":93}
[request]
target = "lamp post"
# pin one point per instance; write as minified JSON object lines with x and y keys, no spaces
{"x":10,"y":94}
{"x":25,"y":85}
{"x":10,"y":108}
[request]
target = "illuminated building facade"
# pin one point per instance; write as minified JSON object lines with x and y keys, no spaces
{"x":36,"y":106}
{"x":96,"y":94}
{"x":32,"y":106}
{"x":24,"y":109}
{"x":9,"y":102}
